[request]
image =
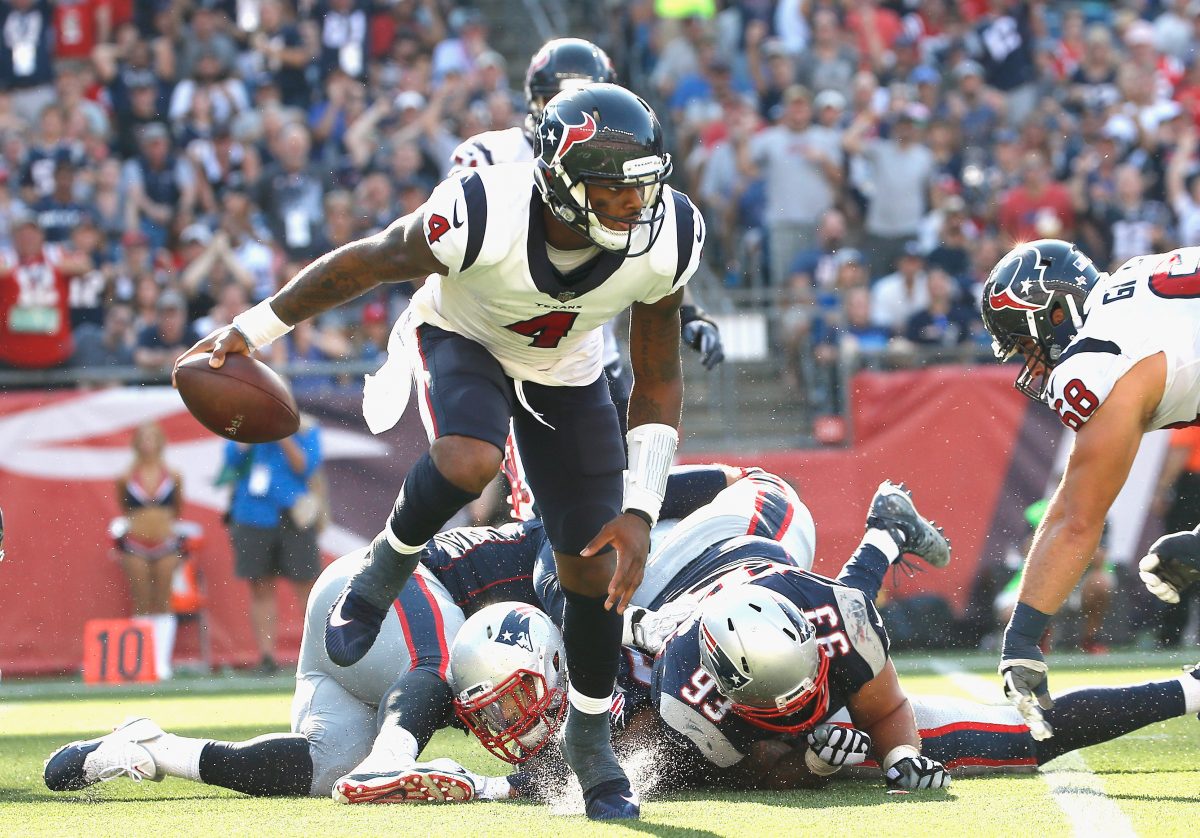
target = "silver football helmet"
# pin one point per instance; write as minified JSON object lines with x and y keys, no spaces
{"x":508,"y":674}
{"x":764,"y":655}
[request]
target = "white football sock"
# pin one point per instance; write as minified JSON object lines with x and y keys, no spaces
{"x":396,"y":743}
{"x":494,"y":788}
{"x":164,"y":643}
{"x":1191,"y":693}
{"x":587,"y":704}
{"x":882,"y":541}
{"x":177,"y":756}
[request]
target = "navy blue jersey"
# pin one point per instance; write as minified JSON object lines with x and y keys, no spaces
{"x":483,"y":565}
{"x":700,"y":576}
{"x":700,"y":719}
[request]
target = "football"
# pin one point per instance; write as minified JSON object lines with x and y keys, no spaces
{"x":244,"y":400}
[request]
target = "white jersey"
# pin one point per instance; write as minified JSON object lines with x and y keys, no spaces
{"x":486,"y":226}
{"x":492,"y":148}
{"x":1150,"y":305}
{"x":512,"y":145}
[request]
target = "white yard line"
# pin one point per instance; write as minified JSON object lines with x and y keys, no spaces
{"x":1074,"y":787}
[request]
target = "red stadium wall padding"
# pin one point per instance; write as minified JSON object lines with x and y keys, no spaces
{"x":948,"y":432}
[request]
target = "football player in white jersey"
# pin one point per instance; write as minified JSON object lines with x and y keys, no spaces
{"x":565,"y":64}
{"x":1115,"y":356}
{"x":531,"y":260}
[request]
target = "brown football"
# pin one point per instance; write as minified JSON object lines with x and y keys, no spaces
{"x":244,"y":400}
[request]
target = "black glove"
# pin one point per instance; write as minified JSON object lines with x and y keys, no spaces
{"x":1024,"y":669}
{"x":702,"y":335}
{"x":1172,"y":565}
{"x":917,"y":773}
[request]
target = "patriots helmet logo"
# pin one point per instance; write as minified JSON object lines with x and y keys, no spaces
{"x":724,"y":670}
{"x":574,"y":134}
{"x":514,"y":631}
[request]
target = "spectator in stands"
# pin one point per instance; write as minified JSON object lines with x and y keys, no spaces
{"x":285,"y":50}
{"x":111,"y":346}
{"x":953,"y":238}
{"x":268,"y":541}
{"x":249,"y":239}
{"x":211,"y":264}
{"x":1005,"y":37}
{"x":59,"y":212}
{"x":27,"y":59}
{"x":89,"y":290}
{"x":202,"y":39}
{"x":851,"y":337}
{"x":899,"y":295}
{"x":232,"y":300}
{"x":770,"y":66}
{"x":794,"y":157}
{"x":970,"y":105}
{"x":160,"y":344}
{"x":1136,"y":226}
{"x":1039,"y":207}
{"x":818,"y":266}
{"x":901,"y":169}
{"x":290,"y":195}
{"x":945,"y":322}
{"x":830,"y":62}
{"x":372,"y":339}
{"x":35,"y":318}
{"x":150,"y":495}
{"x":161,"y":187}
{"x":50,"y":145}
{"x":1183,"y":189}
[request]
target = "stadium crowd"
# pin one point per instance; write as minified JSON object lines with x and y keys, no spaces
{"x":862,"y":163}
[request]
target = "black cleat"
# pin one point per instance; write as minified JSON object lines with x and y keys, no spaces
{"x":892,"y":510}
{"x":612,"y":800}
{"x":351,"y":628}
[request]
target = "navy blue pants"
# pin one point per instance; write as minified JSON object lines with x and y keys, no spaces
{"x":573,"y":457}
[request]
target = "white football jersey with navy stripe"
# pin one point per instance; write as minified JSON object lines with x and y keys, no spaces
{"x":492,"y":148}
{"x":1150,"y":305}
{"x":486,"y":226}
{"x":512,"y":145}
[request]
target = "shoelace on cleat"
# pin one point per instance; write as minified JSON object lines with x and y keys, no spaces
{"x":127,"y":767}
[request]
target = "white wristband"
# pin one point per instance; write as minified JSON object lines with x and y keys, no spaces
{"x":898,"y":753}
{"x":819,"y":766}
{"x":260,"y":325}
{"x":651,"y":452}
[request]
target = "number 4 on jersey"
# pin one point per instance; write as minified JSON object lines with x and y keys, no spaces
{"x":547,"y":330}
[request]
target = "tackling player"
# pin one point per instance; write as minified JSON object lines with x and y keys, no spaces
{"x":531,"y":260}
{"x":401,"y":681}
{"x":1115,"y":356}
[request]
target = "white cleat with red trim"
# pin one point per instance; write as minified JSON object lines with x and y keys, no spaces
{"x":438,"y":781}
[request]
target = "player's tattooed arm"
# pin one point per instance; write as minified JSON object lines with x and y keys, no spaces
{"x":397,"y":254}
{"x":657,"y":395}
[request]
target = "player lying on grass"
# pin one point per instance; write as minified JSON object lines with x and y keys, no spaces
{"x":402,"y":679}
{"x":956,"y":733}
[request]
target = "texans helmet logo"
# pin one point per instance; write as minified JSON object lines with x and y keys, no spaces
{"x":726,"y":672}
{"x":514,"y":631}
{"x":573,"y":134}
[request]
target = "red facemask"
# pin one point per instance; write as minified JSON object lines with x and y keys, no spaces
{"x":509,"y":712}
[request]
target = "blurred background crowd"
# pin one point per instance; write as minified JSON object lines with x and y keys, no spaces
{"x":862,"y":163}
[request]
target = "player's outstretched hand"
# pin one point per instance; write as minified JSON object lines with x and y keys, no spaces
{"x":629,"y":535}
{"x":1172,"y":565}
{"x":837,"y":746}
{"x":1027,"y":687}
{"x":917,"y":773}
{"x":704,"y":337}
{"x":220,"y":343}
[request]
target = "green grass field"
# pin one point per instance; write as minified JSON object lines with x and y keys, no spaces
{"x":1151,"y":778}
